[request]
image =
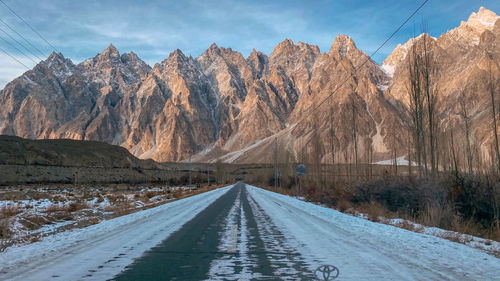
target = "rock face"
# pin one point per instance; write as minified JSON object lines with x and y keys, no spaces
{"x":221,"y":105}
{"x":464,"y":56}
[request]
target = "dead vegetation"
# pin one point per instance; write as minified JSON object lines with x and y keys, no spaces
{"x":8,"y":211}
{"x":39,"y":211}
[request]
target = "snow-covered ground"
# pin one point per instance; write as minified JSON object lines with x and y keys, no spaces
{"x":401,"y":161}
{"x":100,"y":251}
{"x":31,"y":213}
{"x":364,"y":250}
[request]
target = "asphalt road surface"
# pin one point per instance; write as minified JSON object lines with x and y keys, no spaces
{"x":242,"y":232}
{"x":232,"y":239}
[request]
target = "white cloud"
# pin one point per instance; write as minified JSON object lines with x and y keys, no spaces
{"x":10,"y":69}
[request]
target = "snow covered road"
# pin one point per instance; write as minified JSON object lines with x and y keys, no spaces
{"x":363,"y":250}
{"x":242,"y":233}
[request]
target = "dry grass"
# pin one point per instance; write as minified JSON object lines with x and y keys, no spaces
{"x":442,"y":217}
{"x":70,"y":208}
{"x":8,"y":211}
{"x":5,"y":232}
{"x":88,"y":222}
{"x":177,"y":193}
{"x":373,"y":210}
{"x":76,"y":206}
{"x":343,"y":205}
{"x":35,"y":239}
{"x":53,"y":208}
{"x":5,"y":243}
{"x":151,"y":194}
{"x":121,"y":209}
{"x":34,"y":222}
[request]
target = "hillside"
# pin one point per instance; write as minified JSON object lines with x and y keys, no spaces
{"x":73,"y":161}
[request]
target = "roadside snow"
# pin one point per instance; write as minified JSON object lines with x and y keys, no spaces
{"x":400,"y":160}
{"x":100,"y":251}
{"x":365,"y":250}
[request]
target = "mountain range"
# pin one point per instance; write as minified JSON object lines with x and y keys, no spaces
{"x":224,"y":106}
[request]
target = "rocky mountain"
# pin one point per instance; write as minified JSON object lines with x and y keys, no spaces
{"x":222,"y":105}
{"x":463,"y":56}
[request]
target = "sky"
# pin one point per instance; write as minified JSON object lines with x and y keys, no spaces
{"x":153,"y":29}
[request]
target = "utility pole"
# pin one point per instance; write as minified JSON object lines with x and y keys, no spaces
{"x":208,"y":174}
{"x":276,"y":162}
{"x":189,"y":164}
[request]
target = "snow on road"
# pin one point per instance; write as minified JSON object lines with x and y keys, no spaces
{"x":363,"y":250}
{"x":262,"y":234}
{"x":101,"y":251}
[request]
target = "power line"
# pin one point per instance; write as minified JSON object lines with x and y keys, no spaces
{"x":12,"y":57}
{"x":313,"y":108}
{"x":17,"y":49}
{"x":29,"y":25}
{"x":22,"y":45}
{"x":25,"y":40}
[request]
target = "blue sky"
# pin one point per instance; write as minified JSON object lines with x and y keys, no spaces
{"x":153,"y":29}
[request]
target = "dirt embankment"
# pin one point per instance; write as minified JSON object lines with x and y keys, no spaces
{"x":25,"y":161}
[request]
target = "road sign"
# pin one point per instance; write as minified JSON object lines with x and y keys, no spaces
{"x":300,"y":170}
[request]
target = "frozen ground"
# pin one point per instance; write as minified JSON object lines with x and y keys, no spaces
{"x":27,"y":214}
{"x":100,"y":251}
{"x":401,"y":161}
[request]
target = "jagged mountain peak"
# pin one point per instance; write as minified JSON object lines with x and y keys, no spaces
{"x":469,"y":32}
{"x":483,"y":17}
{"x":131,"y":56}
{"x":60,"y":66}
{"x":54,"y":56}
{"x":110,"y":51}
{"x":255,"y":55}
{"x":284,"y":47}
{"x":342,"y":45}
{"x":177,"y":54}
{"x":213,"y":46}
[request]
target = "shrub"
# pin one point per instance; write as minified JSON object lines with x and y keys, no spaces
{"x":473,"y":198}
{"x":34,"y":222}
{"x":5,"y":231}
{"x":9,"y":210}
{"x":400,"y":196}
{"x":53,"y":208}
{"x":76,"y":206}
{"x":438,"y":216}
{"x":373,"y":210}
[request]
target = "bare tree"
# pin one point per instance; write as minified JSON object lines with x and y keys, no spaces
{"x":317,"y":152}
{"x":354,"y":129}
{"x":408,"y":138}
{"x":416,"y":105}
{"x":455,"y":164}
{"x":464,"y":113}
{"x":492,"y":88}
{"x":394,"y":151}
{"x":333,"y":140}
{"x":220,"y":173}
{"x":429,"y":71}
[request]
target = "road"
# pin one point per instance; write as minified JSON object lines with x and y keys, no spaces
{"x":231,"y":239}
{"x":246,"y":233}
